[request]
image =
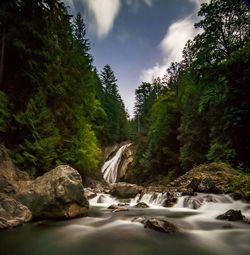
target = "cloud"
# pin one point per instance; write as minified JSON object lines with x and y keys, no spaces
{"x":173,"y":43}
{"x":148,"y":2}
{"x":71,"y":5}
{"x":103,"y":14}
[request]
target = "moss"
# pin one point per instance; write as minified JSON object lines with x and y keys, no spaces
{"x":222,"y":175}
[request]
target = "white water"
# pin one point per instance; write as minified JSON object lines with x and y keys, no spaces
{"x":107,"y":232}
{"x":211,"y":206}
{"x":110,"y":168}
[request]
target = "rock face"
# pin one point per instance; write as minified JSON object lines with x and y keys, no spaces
{"x":125,"y":190}
{"x":12,"y":213}
{"x":57,"y":194}
{"x":10,"y":176}
{"x":122,"y":164}
{"x":127,"y":159}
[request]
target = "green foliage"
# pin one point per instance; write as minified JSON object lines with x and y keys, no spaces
{"x":117,"y":124}
{"x":163,"y":146}
{"x":193,"y":130}
{"x":84,"y":153}
{"x":220,"y":153}
{"x":60,"y":111}
{"x":202,"y":111}
{"x":40,"y":137}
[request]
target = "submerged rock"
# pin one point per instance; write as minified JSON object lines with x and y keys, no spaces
{"x":113,"y":206}
{"x":140,"y":219}
{"x":123,"y":204}
{"x":193,"y":202}
{"x":120,"y":209}
{"x":160,"y":225}
{"x":101,"y":199}
{"x":141,"y":205}
{"x":12,"y":212}
{"x":169,"y":199}
{"x":236,"y":196}
{"x":58,"y":193}
{"x":231,"y":215}
{"x":89,"y":194}
{"x":125,"y":190}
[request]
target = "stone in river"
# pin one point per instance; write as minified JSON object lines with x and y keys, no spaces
{"x":231,"y":215}
{"x":160,"y":225}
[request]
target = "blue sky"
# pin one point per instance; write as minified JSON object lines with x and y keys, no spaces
{"x":137,"y":38}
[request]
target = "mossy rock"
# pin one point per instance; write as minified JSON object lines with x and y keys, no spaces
{"x":222,"y":175}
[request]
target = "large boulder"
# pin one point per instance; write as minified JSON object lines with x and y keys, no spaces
{"x":57,"y":194}
{"x":12,"y":212}
{"x":125,"y":190}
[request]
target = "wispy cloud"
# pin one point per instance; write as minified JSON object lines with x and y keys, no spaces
{"x":173,"y":43}
{"x":148,"y":2}
{"x":137,"y":2}
{"x":103,"y":14}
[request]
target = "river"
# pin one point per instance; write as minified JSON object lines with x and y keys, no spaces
{"x":116,"y":233}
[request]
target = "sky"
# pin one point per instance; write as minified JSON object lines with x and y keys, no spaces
{"x":138,"y":38}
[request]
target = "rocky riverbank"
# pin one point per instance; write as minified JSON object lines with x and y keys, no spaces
{"x":58,"y":194}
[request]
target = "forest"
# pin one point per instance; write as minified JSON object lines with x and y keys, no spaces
{"x":56,"y":108}
{"x":78,"y":175}
{"x":199,"y":112}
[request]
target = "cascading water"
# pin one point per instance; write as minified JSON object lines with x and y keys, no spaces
{"x":105,"y":231}
{"x":110,"y":168}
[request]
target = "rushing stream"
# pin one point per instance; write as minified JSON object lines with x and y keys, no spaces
{"x":104,"y":232}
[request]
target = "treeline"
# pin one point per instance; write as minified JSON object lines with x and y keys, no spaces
{"x":54,"y":106}
{"x":200,"y":111}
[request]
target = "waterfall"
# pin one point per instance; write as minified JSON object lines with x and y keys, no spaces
{"x":110,"y":168}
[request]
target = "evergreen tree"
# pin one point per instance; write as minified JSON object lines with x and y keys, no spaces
{"x":117,"y":125}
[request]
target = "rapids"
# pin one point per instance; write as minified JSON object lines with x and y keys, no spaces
{"x":106,"y":232}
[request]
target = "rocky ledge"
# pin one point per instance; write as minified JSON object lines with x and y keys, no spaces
{"x":58,"y":194}
{"x":215,"y":178}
